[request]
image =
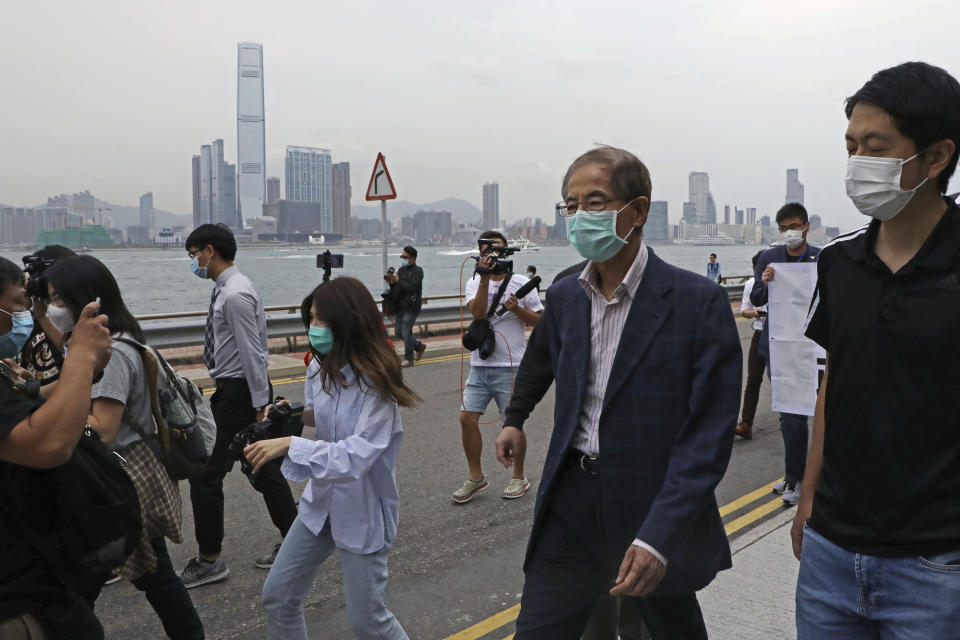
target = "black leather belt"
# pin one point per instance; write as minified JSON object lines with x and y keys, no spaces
{"x":579,"y":460}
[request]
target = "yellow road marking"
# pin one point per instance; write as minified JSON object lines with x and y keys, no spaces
{"x":747,"y":499}
{"x":754,"y":515}
{"x":486,"y":626}
{"x":509,"y":615}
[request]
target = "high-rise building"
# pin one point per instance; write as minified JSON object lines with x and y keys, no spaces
{"x":690,"y":213}
{"x":751,"y":215}
{"x":342,"y":194}
{"x":738,"y":215}
{"x":491,"y":206}
{"x":251,"y":135}
{"x":815,"y":222}
{"x":432,"y":227}
{"x":657,"y":228}
{"x":215,"y":189}
{"x":273,"y":190}
{"x":794,"y":187}
{"x":699,"y":195}
{"x":195,"y":169}
{"x":146,"y":211}
{"x":309,"y":178}
{"x":559,"y":226}
{"x":726,"y":214}
{"x":299,"y":218}
{"x":84,"y":203}
{"x":711,"y":209}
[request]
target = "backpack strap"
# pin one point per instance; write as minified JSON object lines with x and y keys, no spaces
{"x":499,"y":295}
{"x":151,"y":368}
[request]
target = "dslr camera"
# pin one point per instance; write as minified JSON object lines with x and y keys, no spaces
{"x":34,"y":266}
{"x":498,"y":253}
{"x":282,"y":420}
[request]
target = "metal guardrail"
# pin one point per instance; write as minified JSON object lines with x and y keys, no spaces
{"x":186,"y":329}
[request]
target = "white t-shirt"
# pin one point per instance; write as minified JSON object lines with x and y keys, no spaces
{"x":746,"y":305}
{"x":509,"y":324}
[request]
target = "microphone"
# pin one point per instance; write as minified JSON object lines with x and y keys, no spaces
{"x":522,"y":291}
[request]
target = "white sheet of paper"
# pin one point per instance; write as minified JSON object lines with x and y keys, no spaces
{"x":794,"y":368}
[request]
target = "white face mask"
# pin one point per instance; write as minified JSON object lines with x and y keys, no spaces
{"x":61,"y":318}
{"x":873,"y":184}
{"x":793,"y":238}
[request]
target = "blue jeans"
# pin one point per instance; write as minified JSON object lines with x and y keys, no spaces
{"x":793,"y":428}
{"x":290,"y":578}
{"x":405,"y":321}
{"x":852,"y":596}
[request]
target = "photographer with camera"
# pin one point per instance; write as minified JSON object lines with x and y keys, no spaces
{"x":406,"y":291}
{"x":354,"y":388}
{"x":37,"y":441}
{"x":492,"y":374}
{"x":42,"y":356}
{"x":235,"y":352}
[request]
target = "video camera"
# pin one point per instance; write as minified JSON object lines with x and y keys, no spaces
{"x":34,"y":266}
{"x":328,"y":261}
{"x":282,"y":420}
{"x":498,"y":253}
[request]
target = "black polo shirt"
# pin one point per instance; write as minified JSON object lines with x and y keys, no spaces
{"x":890,"y":484}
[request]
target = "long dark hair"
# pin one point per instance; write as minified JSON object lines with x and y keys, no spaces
{"x":81,"y":280}
{"x":359,"y":340}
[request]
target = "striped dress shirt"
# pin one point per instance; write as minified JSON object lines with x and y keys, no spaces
{"x":607,"y":318}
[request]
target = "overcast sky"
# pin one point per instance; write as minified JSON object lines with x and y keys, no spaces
{"x":116,"y":97}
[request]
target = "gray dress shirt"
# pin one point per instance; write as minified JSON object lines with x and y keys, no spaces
{"x":240,"y":334}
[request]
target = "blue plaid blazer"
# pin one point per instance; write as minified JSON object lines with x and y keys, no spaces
{"x":667,"y":424}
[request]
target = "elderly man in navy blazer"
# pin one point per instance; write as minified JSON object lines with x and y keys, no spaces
{"x":647,"y":363}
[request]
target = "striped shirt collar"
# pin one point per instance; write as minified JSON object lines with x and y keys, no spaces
{"x":631,"y":281}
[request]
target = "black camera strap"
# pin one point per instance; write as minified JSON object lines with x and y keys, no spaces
{"x":499,"y":295}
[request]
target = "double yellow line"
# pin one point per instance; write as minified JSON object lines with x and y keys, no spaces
{"x":507,"y":616}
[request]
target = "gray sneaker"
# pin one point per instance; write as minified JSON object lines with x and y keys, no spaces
{"x":779,"y":487}
{"x":265,"y":562}
{"x":791,"y":493}
{"x":468,"y":490}
{"x":199,"y":572}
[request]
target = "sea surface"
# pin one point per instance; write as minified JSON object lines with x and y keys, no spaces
{"x":160,"y":281}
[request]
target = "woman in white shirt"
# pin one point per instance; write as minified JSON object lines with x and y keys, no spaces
{"x":353,"y":392}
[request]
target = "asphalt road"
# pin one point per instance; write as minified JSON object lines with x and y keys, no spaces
{"x":452,"y":566}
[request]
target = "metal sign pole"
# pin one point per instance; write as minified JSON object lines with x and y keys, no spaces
{"x":383,"y":232}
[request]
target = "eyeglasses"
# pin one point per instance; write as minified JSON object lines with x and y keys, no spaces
{"x":592,"y":205}
{"x":795,"y":226}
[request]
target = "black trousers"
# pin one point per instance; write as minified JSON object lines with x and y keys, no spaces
{"x":755,"y":368}
{"x":569,"y":570}
{"x":232,"y":411}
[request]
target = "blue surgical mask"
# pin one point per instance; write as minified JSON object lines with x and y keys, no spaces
{"x":12,"y":343}
{"x":200,"y":272}
{"x":404,"y":262}
{"x":594,"y":234}
{"x":321,"y":339}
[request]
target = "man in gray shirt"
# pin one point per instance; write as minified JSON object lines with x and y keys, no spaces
{"x":235,"y":352}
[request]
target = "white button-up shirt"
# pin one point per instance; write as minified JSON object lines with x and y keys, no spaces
{"x":351,"y":465}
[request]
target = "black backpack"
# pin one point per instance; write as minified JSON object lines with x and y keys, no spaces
{"x":84,"y":518}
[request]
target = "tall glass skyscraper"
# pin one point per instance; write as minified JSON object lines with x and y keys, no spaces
{"x":309,"y":178}
{"x":491,"y":206}
{"x":251,"y":137}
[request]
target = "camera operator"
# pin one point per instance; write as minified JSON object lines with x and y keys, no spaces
{"x":35,"y":439}
{"x":492,"y":377}
{"x":42,"y":356}
{"x":406,"y":290}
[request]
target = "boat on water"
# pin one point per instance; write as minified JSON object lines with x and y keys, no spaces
{"x":522,"y":244}
{"x":708,"y":241}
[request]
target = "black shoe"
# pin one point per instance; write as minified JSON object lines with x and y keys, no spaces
{"x":418,"y":352}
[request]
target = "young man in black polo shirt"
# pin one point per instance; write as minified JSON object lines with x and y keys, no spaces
{"x":881,"y":548}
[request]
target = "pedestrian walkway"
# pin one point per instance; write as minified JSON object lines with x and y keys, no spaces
{"x":755,"y":599}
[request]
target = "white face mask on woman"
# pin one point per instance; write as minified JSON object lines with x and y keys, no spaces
{"x":873,"y":184}
{"x":61,"y":318}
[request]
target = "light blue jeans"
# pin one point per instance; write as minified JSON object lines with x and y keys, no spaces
{"x":290,"y":578}
{"x":852,"y":596}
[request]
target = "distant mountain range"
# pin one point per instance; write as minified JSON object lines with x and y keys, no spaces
{"x":127,"y":216}
{"x":460,"y":210}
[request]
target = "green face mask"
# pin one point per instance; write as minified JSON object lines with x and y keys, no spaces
{"x":321,"y":339}
{"x":594,"y":234}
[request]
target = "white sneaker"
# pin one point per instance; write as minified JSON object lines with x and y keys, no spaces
{"x":779,"y":487}
{"x":791,"y":493}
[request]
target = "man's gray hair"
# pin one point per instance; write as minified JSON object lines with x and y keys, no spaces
{"x":629,"y":177}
